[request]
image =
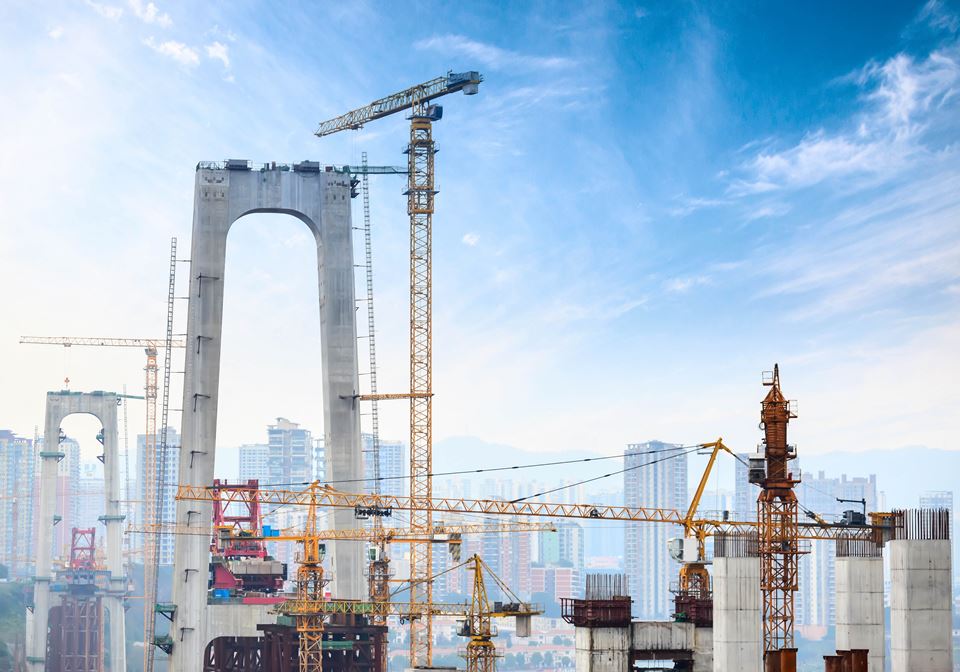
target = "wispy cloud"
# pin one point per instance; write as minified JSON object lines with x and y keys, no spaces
{"x":470,"y":239}
{"x":490,"y":55}
{"x":899,"y":95}
{"x":905,"y":241}
{"x":178,"y":51}
{"x":937,"y":16}
{"x":767,"y":210}
{"x":149,"y":13}
{"x":688,"y":205}
{"x":219,"y":52}
{"x":107,"y":11}
{"x":682,"y":285}
{"x":56,"y":33}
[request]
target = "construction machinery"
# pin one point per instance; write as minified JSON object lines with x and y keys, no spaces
{"x":480,"y":652}
{"x":420,"y":206}
{"x":330,"y":497}
{"x":690,"y":550}
{"x":779,"y":528}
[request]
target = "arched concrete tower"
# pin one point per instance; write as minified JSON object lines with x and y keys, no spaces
{"x":223,"y":194}
{"x":103,"y":406}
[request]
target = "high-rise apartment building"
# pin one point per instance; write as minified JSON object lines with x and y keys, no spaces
{"x":67,"y":503}
{"x":744,"y":492}
{"x":254,"y":462}
{"x":393,"y":466}
{"x":319,"y":460}
{"x":815,"y":603}
{"x":943,"y":499}
{"x":290,"y":453}
{"x":89,"y":494}
{"x":166,"y":474}
{"x":655,"y":476}
{"x":17,"y":483}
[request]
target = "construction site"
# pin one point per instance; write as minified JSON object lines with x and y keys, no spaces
{"x":336,"y":602}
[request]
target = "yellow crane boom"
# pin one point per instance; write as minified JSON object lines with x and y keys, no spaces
{"x":330,"y":497}
{"x":441,"y":533}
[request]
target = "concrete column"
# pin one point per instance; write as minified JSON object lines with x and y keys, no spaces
{"x":322,"y":201}
{"x":737,"y":627}
{"x":920,"y":593}
{"x":859,"y":600}
{"x":703,"y":649}
{"x":103,"y":406}
{"x":603,"y":649}
{"x":50,"y":456}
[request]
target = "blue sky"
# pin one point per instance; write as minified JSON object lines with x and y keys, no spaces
{"x":645,"y":207}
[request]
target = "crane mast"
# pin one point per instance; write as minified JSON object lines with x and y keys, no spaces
{"x":420,"y":205}
{"x":779,"y":531}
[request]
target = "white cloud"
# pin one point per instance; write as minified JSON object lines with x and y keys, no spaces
{"x":220,"y":52}
{"x":149,"y":13}
{"x":56,"y":33}
{"x":768,"y":210}
{"x":490,"y":55}
{"x":106,"y":11}
{"x":178,"y":51}
{"x":471,"y":239}
{"x":900,"y":94}
{"x":683,"y":285}
{"x":872,"y":254}
{"x":935,"y":15}
{"x":691,"y":205}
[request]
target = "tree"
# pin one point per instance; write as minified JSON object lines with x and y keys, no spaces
{"x":536,"y":659}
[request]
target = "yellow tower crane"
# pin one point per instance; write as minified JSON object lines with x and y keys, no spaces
{"x":420,"y":196}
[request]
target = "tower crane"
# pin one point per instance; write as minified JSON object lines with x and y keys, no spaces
{"x":694,"y":577}
{"x":478,"y":614}
{"x":693,"y":574}
{"x":779,"y":533}
{"x":420,"y":201}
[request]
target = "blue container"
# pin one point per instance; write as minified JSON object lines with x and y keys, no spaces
{"x":267,"y":530}
{"x":221,"y":593}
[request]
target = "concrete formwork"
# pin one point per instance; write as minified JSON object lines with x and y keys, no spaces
{"x":737,"y":627}
{"x":614,"y":648}
{"x":603,"y":649}
{"x":103,"y":406}
{"x":859,"y":601}
{"x":322,"y":201}
{"x":920,"y":614}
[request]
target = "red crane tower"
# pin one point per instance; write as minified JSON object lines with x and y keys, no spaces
{"x":779,"y":532}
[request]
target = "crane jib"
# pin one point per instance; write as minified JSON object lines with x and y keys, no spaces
{"x":468,"y":82}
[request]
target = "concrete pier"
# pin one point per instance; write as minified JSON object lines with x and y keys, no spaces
{"x":737,"y":627}
{"x":859,"y":600}
{"x":920,"y":592}
{"x":223,"y":194}
{"x":103,"y":406}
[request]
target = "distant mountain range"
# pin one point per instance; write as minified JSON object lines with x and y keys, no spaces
{"x":902,"y":474}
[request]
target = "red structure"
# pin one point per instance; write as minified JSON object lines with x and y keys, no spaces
{"x":239,"y":560}
{"x":779,"y":532}
{"x":83,"y":548}
{"x":75,"y":626}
